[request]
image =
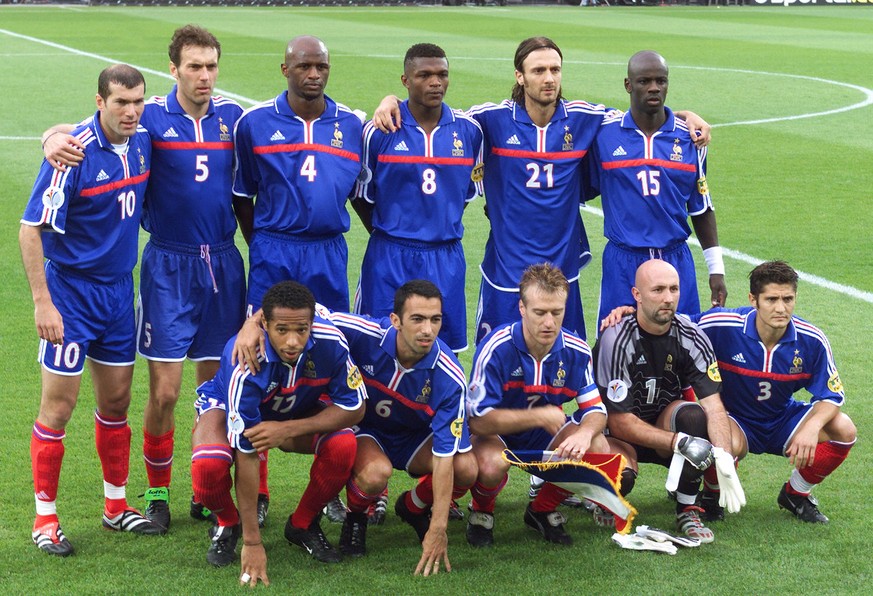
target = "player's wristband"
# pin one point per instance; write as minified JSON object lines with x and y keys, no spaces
{"x":714,"y":260}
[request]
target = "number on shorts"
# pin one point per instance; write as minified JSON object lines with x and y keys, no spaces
{"x":69,"y":354}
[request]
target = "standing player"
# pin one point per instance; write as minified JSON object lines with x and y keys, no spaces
{"x":415,"y":421}
{"x":534,"y":143}
{"x":644,"y":367}
{"x":192,"y":279}
{"x":417,"y":182}
{"x":523,"y":373}
{"x":651,"y":177}
{"x":78,"y":238}
{"x":300,"y":154}
{"x":305,"y":359}
{"x":765,"y":355}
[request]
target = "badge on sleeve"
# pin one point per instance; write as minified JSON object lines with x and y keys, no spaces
{"x":457,"y":427}
{"x":354,"y":380}
{"x":478,"y":173}
{"x":616,"y":391}
{"x":702,"y":187}
{"x":53,"y":198}
{"x":713,"y":373}
{"x":835,"y":384}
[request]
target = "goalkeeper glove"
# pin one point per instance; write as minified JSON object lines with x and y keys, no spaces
{"x":731,"y":495}
{"x":697,"y":451}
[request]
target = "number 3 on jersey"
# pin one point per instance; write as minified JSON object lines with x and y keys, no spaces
{"x":307,"y":170}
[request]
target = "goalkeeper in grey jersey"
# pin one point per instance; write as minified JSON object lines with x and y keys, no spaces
{"x":659,"y":379}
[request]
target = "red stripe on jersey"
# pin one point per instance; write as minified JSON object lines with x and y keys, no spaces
{"x":659,"y":163}
{"x":763,"y":374}
{"x":291,"y":147}
{"x":553,"y":155}
{"x":97,"y":190}
{"x":404,"y":400}
{"x":539,"y":388}
{"x":446,"y":161}
{"x":226,"y":146}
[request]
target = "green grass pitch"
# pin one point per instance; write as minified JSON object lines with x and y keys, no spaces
{"x":788,"y":91}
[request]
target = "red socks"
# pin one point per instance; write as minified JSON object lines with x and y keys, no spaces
{"x":46,"y":455}
{"x":157,"y":451}
{"x":112,"y":436}
{"x":210,"y":477}
{"x":330,"y":471}
{"x":484,"y":497}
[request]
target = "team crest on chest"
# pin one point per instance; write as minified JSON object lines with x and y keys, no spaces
{"x":668,"y":366}
{"x":309,"y":368}
{"x":560,"y":375}
{"x":457,"y":146}
{"x":337,"y":140}
{"x":796,"y":364}
{"x":424,"y":395}
{"x":141,"y":160}
{"x":568,"y":140}
{"x":676,"y":155}
{"x":223,"y":130}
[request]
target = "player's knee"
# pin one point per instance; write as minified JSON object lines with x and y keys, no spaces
{"x":691,"y":419}
{"x":628,"y":479}
{"x":842,"y":429}
{"x":372,"y":477}
{"x":491,"y":470}
{"x":466,"y":470}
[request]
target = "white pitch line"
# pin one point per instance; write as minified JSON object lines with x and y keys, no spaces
{"x":737,"y":255}
{"x":157,"y":73}
{"x":811,"y":278}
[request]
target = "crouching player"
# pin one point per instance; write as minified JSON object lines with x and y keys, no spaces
{"x":765,"y":355}
{"x":523,"y":373}
{"x":304,"y":361}
{"x":415,"y":421}
{"x":646,"y":366}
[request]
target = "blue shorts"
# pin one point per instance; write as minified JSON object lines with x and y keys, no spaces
{"x":203,"y":404}
{"x":535,"y":438}
{"x":389,"y":263}
{"x":191,"y":300}
{"x":318,"y":263}
{"x":772,"y":436}
{"x":399,"y":448}
{"x":497,"y":307}
{"x":98,"y":322}
{"x":619,"y":276}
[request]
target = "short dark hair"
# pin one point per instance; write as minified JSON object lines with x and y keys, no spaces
{"x":416,"y":287}
{"x":423,"y":50}
{"x":287,"y":294}
{"x":120,"y":74}
{"x":525,"y":48}
{"x":546,"y":277}
{"x":771,"y":272}
{"x":191,"y":35}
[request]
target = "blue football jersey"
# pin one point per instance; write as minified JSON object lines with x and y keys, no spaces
{"x":649,"y":185}
{"x":505,"y":375}
{"x":759,"y":383}
{"x":301,"y":172}
{"x":533,"y":185}
{"x":420,"y":182}
{"x":432,"y":394}
{"x":189,"y":199}
{"x":91,"y":213}
{"x":282,"y":391}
